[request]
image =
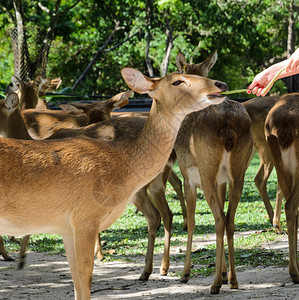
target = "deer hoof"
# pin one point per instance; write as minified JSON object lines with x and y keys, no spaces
{"x":144,"y":276}
{"x":234,"y":285}
{"x":295,"y":278}
{"x":9,"y":258}
{"x":163,"y":271}
{"x":214,"y":289}
{"x":224,"y":278}
{"x":185,"y":278}
{"x":278,"y":228}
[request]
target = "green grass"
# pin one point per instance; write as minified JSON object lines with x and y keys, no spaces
{"x":128,"y":236}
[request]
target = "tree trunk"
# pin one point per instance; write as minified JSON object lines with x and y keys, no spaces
{"x":169,"y":45}
{"x":20,"y":48}
{"x":149,"y":20}
{"x":29,"y":65}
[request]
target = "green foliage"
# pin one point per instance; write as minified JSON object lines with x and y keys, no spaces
{"x":249,"y":35}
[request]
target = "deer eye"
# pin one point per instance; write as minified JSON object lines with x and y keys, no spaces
{"x":177,"y":82}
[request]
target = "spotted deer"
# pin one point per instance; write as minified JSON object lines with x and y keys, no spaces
{"x":213,"y":149}
{"x":94,"y":180}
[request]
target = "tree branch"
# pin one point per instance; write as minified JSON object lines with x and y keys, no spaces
{"x":69,"y":8}
{"x":169,"y":45}
{"x":95,"y":57}
{"x":119,"y":44}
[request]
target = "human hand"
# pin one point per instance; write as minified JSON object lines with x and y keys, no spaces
{"x":259,"y":82}
{"x":293,"y":62}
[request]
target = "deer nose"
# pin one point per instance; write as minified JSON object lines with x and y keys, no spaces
{"x":221,"y":85}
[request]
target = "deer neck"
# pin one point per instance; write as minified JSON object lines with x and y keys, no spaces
{"x":16,"y":127}
{"x":151,"y":150}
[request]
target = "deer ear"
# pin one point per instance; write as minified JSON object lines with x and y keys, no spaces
{"x":12,"y":101}
{"x":137,"y":81}
{"x":16,"y":82}
{"x":41,"y":83}
{"x":209,"y":62}
{"x":121,"y":99}
{"x":181,"y":62}
{"x":54,"y":84}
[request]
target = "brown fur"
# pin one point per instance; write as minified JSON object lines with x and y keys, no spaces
{"x":281,"y":130}
{"x":78,"y":187}
{"x":258,"y":109}
{"x":203,"y":140}
{"x":29,"y":92}
{"x":43,"y":123}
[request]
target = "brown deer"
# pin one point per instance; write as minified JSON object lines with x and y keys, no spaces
{"x":29,"y":92}
{"x":258,"y":109}
{"x":43,"y":123}
{"x":117,"y":129}
{"x":157,"y":190}
{"x":12,"y":126}
{"x":94,"y":180}
{"x":213,"y":149}
{"x":281,"y":130}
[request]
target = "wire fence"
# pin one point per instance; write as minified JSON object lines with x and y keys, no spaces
{"x":30,"y":52}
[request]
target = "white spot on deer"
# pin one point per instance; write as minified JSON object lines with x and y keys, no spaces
{"x":288,"y":157}
{"x":224,"y":171}
{"x":194,"y":177}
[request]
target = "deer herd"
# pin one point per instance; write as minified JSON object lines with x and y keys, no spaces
{"x":102,"y":161}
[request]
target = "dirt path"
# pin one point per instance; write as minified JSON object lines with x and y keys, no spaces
{"x":47,"y":276}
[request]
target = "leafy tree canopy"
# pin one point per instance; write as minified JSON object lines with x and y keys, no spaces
{"x":249,"y":36}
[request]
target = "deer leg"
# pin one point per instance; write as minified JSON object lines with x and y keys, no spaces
{"x":215,"y":205}
{"x":221,"y":195}
{"x":234,"y":198}
{"x":22,"y":254}
{"x":190,"y":194}
{"x":157,"y":192}
{"x":69,"y":247}
{"x":3,"y":252}
{"x":260,"y":180}
{"x":98,"y":248}
{"x":277,"y":212}
{"x":177,"y":185}
{"x":81,"y":259}
{"x":144,"y":204}
{"x":291,"y":209}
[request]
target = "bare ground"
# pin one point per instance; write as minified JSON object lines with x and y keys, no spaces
{"x":47,"y":276}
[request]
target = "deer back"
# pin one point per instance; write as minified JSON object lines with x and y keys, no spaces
{"x":117,"y":129}
{"x":205,"y":135}
{"x":43,"y":123}
{"x":282,"y":134}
